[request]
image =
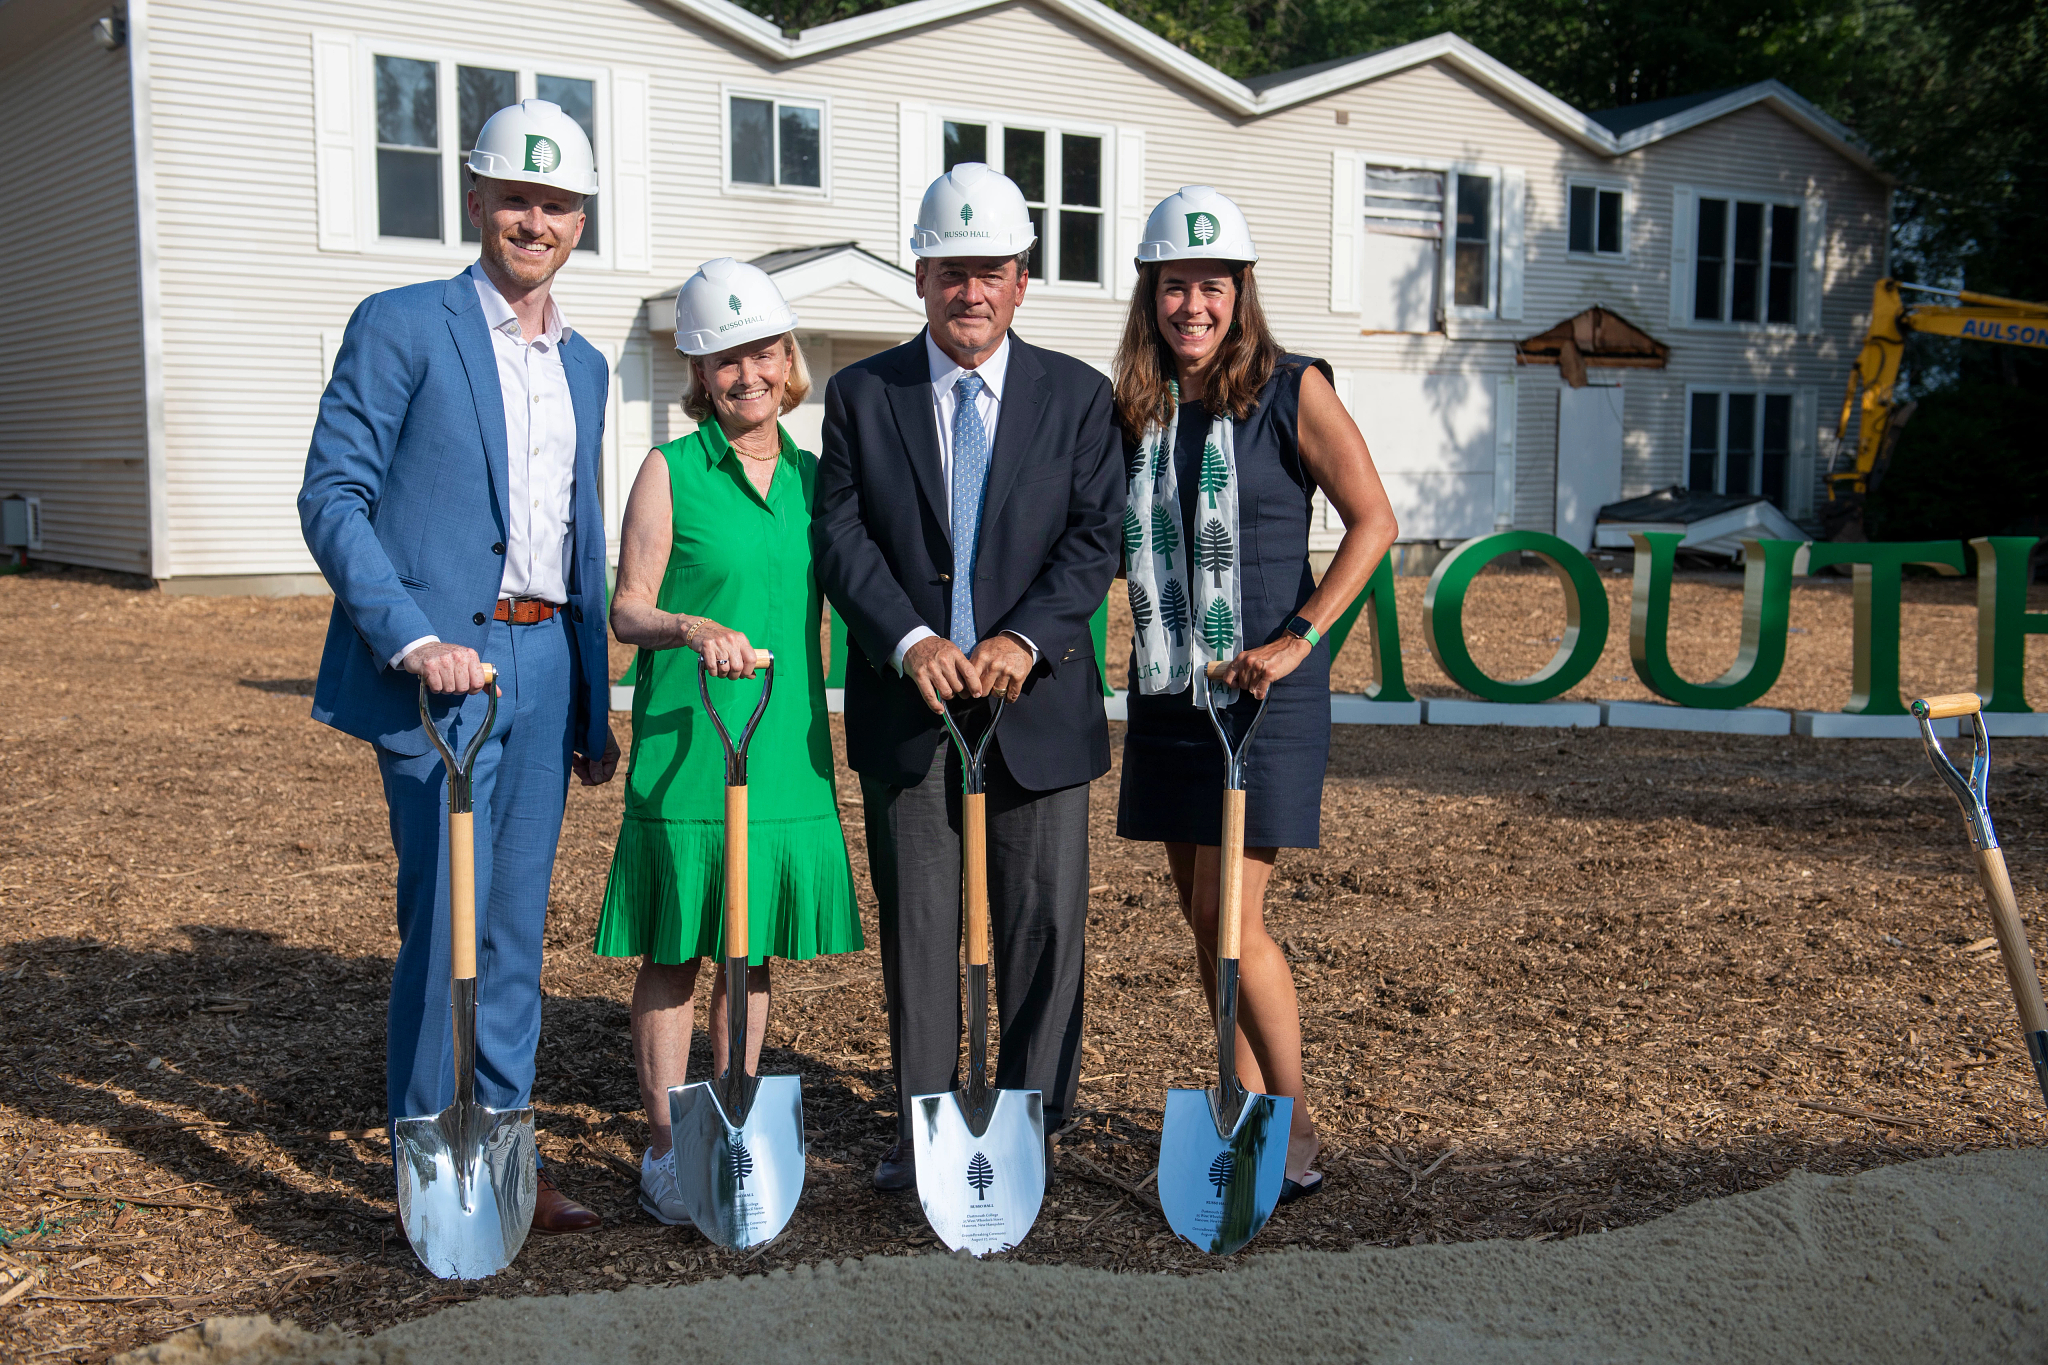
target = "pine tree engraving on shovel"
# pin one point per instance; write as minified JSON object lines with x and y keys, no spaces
{"x":466,"y":1176}
{"x":1972,"y":794}
{"x":1223,"y":1152}
{"x":980,"y":1152}
{"x":739,"y":1140}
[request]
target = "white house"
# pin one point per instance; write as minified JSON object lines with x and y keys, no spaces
{"x":225,"y":180}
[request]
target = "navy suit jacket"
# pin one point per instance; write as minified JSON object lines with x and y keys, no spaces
{"x":403,"y":507}
{"x":1051,"y":527}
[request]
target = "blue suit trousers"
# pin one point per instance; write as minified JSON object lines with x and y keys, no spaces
{"x":521,"y":786}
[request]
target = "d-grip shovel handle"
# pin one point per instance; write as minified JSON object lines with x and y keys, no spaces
{"x":737,"y":1095}
{"x":1971,"y":794}
{"x":974,"y":827}
{"x":1230,"y":908}
{"x":462,"y":830}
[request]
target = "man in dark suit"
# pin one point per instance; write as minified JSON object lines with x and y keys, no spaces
{"x":969,"y":499}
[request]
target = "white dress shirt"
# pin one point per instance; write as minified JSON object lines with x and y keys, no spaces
{"x":540,"y":451}
{"x":946,"y":372}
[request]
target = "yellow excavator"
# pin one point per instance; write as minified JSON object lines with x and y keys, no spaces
{"x":1978,"y":317}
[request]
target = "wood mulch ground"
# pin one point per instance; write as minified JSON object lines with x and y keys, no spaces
{"x":1553,"y":982}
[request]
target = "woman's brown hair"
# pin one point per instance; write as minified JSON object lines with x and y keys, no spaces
{"x":697,"y":399}
{"x":1144,"y":367}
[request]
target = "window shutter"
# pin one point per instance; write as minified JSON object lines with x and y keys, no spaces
{"x":1684,"y":222}
{"x":913,"y":167}
{"x":627,"y":203}
{"x":1345,"y":216}
{"x":1505,"y":417}
{"x":334,"y":140}
{"x":1130,"y":206}
{"x":1513,"y":198}
{"x":1813,"y":266}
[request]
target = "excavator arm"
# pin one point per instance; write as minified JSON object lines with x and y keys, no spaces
{"x":1875,"y":376}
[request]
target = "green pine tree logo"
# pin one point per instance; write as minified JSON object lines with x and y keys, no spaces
{"x":542,"y":155}
{"x":1202,"y":229}
{"x":1134,"y":532}
{"x":967,"y":213}
{"x":1215,"y":472}
{"x":1165,"y":535}
{"x":1219,"y":627}
{"x":1159,"y":460}
{"x":1214,"y":550}
{"x":734,"y":303}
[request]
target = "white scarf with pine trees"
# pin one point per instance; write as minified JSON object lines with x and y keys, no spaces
{"x":1185,"y":608}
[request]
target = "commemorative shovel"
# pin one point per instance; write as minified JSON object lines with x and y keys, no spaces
{"x":1971,"y":794}
{"x":739,"y":1140}
{"x":466,"y":1176}
{"x":980,"y":1152}
{"x":1223,"y":1152}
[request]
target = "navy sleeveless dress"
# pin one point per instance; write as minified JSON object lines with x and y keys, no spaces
{"x":1173,"y":766}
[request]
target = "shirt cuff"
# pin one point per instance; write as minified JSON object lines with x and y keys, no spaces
{"x":398,"y":660}
{"x":1025,"y":641}
{"x":903,"y":645}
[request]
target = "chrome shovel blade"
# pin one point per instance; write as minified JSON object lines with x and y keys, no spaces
{"x":739,"y":1184}
{"x":1217,"y":1191}
{"x":466,"y":1186}
{"x":980,"y":1194}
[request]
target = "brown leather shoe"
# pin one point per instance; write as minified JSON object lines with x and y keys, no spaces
{"x":897,"y":1170}
{"x":554,"y":1211}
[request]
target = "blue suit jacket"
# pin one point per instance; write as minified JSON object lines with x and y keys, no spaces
{"x":1051,"y":529}
{"x":403,"y":507}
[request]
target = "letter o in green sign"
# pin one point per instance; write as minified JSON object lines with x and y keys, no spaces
{"x":1585,"y":616}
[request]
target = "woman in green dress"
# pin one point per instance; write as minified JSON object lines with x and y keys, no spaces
{"x":715,"y":563}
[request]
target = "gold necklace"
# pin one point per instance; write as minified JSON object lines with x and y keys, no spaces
{"x":757,"y":459}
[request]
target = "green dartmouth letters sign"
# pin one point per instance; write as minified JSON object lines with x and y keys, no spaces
{"x":2003,"y":621}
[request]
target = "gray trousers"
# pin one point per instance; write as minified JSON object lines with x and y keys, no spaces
{"x":1038,"y":910}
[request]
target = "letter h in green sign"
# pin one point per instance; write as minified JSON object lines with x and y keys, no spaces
{"x":2003,"y":621}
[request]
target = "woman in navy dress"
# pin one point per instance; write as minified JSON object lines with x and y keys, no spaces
{"x":1226,"y":440}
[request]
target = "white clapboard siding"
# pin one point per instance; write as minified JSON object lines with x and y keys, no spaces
{"x":73,"y":420}
{"x":256,"y":263}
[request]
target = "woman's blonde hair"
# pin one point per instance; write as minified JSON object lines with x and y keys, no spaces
{"x":697,"y":404}
{"x":1144,"y":366}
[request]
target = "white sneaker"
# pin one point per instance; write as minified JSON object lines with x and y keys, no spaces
{"x":659,"y":1196}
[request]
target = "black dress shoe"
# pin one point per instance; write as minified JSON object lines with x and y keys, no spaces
{"x":897,"y":1170}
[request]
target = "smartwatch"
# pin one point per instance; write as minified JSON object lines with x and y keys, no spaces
{"x":1301,"y":628}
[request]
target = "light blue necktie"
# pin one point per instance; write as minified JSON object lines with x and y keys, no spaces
{"x":970,"y":481}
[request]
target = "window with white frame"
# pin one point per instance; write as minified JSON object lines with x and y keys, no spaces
{"x":775,"y":143}
{"x":1061,"y":174}
{"x":1472,"y":267}
{"x":1594,"y":221}
{"x":1745,"y":261}
{"x":429,"y":112}
{"x":1430,"y":235}
{"x":1739,"y":442}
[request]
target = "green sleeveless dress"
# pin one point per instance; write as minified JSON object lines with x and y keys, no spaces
{"x":744,"y":561}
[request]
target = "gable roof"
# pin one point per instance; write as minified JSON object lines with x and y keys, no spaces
{"x":1281,"y":90}
{"x":801,"y":271}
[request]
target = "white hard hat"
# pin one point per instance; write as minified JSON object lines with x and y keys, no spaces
{"x":726,"y":303}
{"x":1197,"y":223}
{"x":973,"y":211}
{"x":535,"y":141}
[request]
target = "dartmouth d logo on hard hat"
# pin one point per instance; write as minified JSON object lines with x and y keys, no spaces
{"x":1201,"y":229}
{"x":542,"y":154}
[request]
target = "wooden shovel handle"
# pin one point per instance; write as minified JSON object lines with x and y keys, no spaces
{"x":735,"y":874}
{"x":462,"y":894}
{"x":2012,"y":939}
{"x":974,"y":859}
{"x":1952,"y":704}
{"x":1230,"y":908}
{"x":762,"y":658}
{"x":1214,"y":672}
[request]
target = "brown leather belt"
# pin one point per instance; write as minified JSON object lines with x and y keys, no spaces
{"x":525,"y":611}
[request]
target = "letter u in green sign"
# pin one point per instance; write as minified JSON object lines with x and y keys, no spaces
{"x":1766,"y":611}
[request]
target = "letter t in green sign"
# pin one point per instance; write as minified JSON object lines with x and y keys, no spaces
{"x":1876,"y":690}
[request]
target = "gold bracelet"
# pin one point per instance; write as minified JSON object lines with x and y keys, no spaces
{"x":691,"y":634}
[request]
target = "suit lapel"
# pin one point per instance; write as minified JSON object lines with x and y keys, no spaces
{"x":480,"y":363}
{"x":910,"y":395}
{"x":1023,"y":406}
{"x":587,"y":396}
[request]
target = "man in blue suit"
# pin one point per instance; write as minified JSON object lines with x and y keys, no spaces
{"x":451,"y":499}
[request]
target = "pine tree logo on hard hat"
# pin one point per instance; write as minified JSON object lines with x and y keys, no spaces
{"x":1202,"y":229}
{"x":967,"y":213}
{"x":542,"y":154}
{"x":734,"y":303}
